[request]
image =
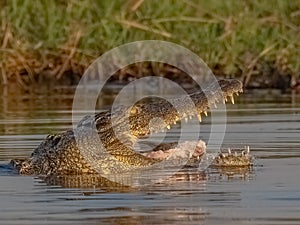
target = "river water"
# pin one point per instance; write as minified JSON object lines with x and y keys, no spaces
{"x":267,"y":121}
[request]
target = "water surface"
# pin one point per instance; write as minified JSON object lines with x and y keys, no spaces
{"x":266,"y":120}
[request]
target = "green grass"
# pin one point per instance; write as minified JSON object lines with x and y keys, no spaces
{"x":233,"y":36}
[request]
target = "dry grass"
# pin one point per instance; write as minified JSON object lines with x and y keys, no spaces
{"x":56,"y":38}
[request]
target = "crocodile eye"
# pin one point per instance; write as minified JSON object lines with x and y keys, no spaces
{"x":135,"y":109}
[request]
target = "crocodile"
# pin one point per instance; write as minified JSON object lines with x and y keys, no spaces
{"x":118,"y":131}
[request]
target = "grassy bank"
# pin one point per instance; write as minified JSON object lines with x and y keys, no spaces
{"x":235,"y":38}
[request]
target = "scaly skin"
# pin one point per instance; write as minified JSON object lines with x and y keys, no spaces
{"x":59,"y":154}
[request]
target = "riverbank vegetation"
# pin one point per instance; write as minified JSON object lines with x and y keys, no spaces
{"x":58,"y":39}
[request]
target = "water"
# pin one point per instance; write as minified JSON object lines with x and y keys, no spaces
{"x":267,"y":121}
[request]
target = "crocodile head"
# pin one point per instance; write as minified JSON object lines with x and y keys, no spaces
{"x":119,"y":129}
{"x":146,"y":118}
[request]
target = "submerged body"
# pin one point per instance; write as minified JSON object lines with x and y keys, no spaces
{"x":61,"y":154}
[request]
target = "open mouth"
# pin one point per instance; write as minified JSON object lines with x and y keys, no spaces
{"x":221,"y":93}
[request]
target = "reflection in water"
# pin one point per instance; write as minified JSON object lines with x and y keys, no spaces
{"x":191,"y":174}
{"x":268,"y":194}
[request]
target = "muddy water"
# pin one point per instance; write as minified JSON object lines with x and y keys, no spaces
{"x":269,"y":194}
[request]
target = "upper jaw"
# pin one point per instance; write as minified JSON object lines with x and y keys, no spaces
{"x":157,"y":117}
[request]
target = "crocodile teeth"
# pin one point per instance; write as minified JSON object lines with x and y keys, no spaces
{"x":229,"y":151}
{"x":235,"y":154}
{"x":174,"y":122}
{"x":169,"y":127}
{"x":213,"y":104}
{"x":205,"y":113}
{"x":232,"y":99}
{"x":186,"y":119}
{"x":191,"y":117}
{"x":247,"y":150}
{"x":237,"y":93}
{"x":223,"y":101}
{"x":199,"y":118}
